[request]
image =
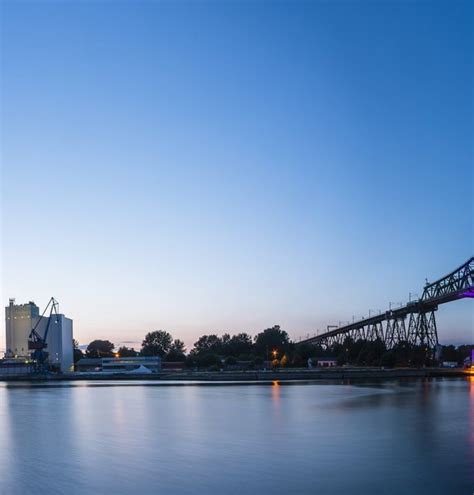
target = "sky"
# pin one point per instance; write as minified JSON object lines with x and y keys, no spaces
{"x":209,"y":167}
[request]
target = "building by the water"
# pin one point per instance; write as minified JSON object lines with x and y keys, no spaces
{"x":151,"y":364}
{"x":21,"y":318}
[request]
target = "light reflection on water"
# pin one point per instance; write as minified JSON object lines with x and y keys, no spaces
{"x":471,"y":415}
{"x":93,"y":437}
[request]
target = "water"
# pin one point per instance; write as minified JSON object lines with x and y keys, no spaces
{"x":86,"y":437}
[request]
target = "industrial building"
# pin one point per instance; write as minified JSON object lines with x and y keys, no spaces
{"x":20,"y":319}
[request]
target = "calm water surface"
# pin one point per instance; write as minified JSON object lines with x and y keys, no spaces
{"x":143,"y":438}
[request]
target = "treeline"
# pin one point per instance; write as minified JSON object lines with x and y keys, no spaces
{"x":272,"y":347}
{"x":454,"y":354}
{"x":374,"y":353}
{"x":273,"y":344}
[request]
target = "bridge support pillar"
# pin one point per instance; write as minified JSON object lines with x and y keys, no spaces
{"x":422,"y":329}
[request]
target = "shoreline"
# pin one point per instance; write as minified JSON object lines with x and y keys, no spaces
{"x":296,"y":375}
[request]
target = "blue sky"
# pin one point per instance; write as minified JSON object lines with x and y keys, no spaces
{"x":205,"y":167}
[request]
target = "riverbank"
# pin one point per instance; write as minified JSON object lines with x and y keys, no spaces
{"x":257,"y":376}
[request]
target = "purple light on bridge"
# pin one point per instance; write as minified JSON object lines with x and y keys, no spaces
{"x":468,"y":293}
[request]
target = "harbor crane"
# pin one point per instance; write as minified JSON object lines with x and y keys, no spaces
{"x":37,"y":343}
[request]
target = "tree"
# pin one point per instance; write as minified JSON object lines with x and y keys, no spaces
{"x":237,"y":345}
{"x":449,"y":353}
{"x":157,"y":343}
{"x":207,"y":344}
{"x":306,"y":351}
{"x":99,"y":349}
{"x":78,"y":354}
{"x":372,"y":352}
{"x":208,"y":360}
{"x":464,"y":351}
{"x":127,"y":352}
{"x":388,"y":359}
{"x":271,"y":339}
{"x":420,"y":355}
{"x":403,"y":353}
{"x":177,"y":351}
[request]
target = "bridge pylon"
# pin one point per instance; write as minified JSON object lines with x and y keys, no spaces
{"x":422,"y":329}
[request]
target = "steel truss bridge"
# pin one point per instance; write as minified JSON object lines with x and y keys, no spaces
{"x":414,"y":323}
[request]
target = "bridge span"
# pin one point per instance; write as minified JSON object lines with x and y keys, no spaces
{"x":415,"y":322}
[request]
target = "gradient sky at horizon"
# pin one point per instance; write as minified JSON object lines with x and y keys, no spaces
{"x":204,"y":167}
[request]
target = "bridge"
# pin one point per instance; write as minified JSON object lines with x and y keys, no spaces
{"x":414,"y":323}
